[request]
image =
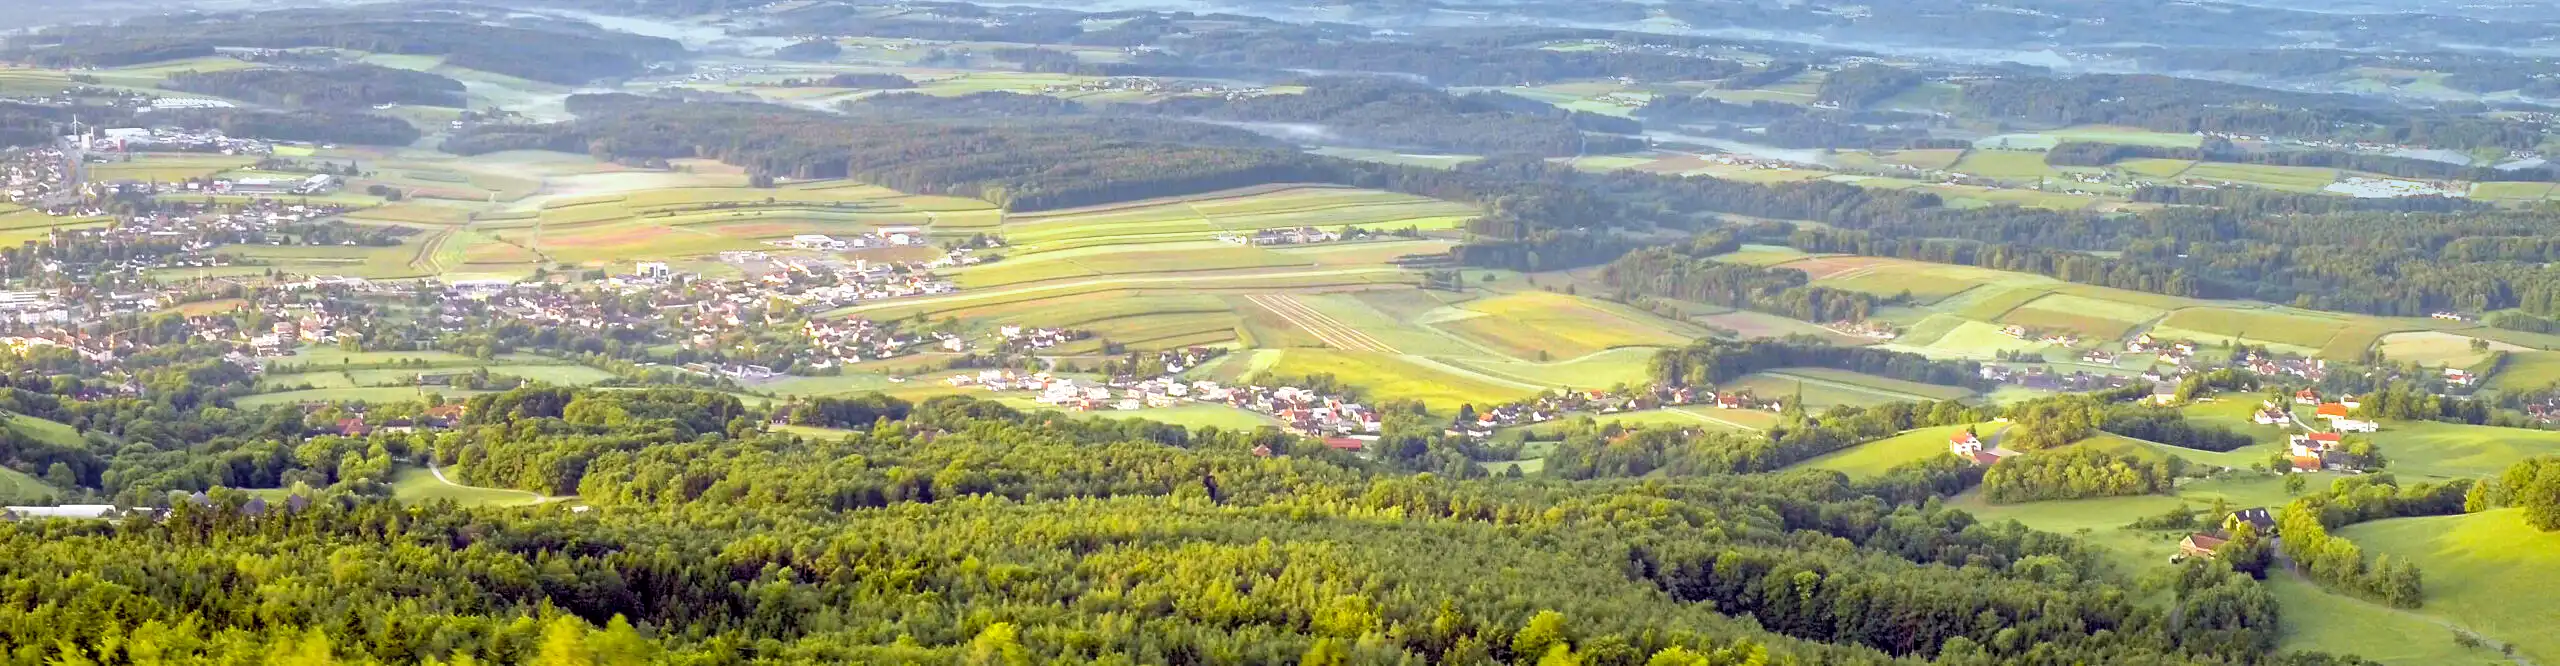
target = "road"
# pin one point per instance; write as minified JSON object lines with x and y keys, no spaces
{"x":538,"y":498}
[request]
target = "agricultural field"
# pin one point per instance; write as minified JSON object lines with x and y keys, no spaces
{"x":2427,"y":450}
{"x":165,"y":168}
{"x":1439,"y":387}
{"x":1824,"y":387}
{"x":2436,"y":348}
{"x":2005,"y":165}
{"x":2091,"y":133}
{"x":2489,"y":572}
{"x":1874,"y":458}
{"x":2155,"y":168}
{"x":2089,"y":317}
{"x":366,"y":394}
{"x":2526,"y":371}
{"x":1542,"y":325}
{"x":2300,"y":333}
{"x":2290,"y":179}
{"x":2524,"y":192}
{"x":1631,"y":366}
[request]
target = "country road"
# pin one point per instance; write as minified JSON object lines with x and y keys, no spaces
{"x":538,"y":498}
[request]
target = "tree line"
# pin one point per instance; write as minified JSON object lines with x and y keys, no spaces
{"x":347,"y":86}
{"x":2083,"y":153}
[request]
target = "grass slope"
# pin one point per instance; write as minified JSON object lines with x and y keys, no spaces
{"x":2487,"y":571}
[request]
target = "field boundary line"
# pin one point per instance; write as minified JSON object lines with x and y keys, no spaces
{"x":1291,"y":312}
{"x":1329,"y":320}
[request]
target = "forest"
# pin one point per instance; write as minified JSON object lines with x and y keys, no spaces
{"x":2081,"y":153}
{"x":343,"y":87}
{"x":552,"y":56}
{"x":966,"y":532}
{"x":2171,"y":104}
{"x":1408,"y":116}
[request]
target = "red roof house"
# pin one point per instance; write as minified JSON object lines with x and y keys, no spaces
{"x":2333,"y":410}
{"x":1343,"y":443}
{"x":2306,"y":464}
{"x":2328,"y":437}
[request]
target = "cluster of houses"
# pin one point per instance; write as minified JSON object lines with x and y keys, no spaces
{"x":2044,"y":378}
{"x":1869,"y":329}
{"x":352,"y":420}
{"x":1154,"y":86}
{"x":2313,"y":449}
{"x":1014,"y":338}
{"x":38,"y":177}
{"x":174,"y":140}
{"x":2060,"y":339}
{"x":1555,"y":406}
{"x":1301,"y":411}
{"x":877,"y":238}
{"x":1297,"y":236}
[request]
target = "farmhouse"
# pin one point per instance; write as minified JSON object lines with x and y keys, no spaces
{"x":2201,"y":545}
{"x":2333,"y":411}
{"x":2270,"y":414}
{"x":2306,"y":397}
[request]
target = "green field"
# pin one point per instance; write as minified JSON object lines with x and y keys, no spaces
{"x":1388,"y":375}
{"x":2488,"y":571}
{"x":2155,"y":168}
{"x":2317,"y":619}
{"x":2005,"y":165}
{"x":2089,"y":317}
{"x":1537,"y":325}
{"x":2436,"y":348}
{"x":2423,"y":450}
{"x":2525,"y":371}
{"x":2291,"y":179}
{"x":2511,"y":191}
{"x":18,"y":488}
{"x":1825,"y":387}
{"x":416,"y":484}
{"x":1877,"y":457}
{"x":2213,"y":326}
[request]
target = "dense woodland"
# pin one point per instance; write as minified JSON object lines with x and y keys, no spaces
{"x":2077,"y":473}
{"x":349,"y":86}
{"x":2188,"y":105}
{"x":2079,"y":153}
{"x":921,"y":538}
{"x":1391,"y":114}
{"x":562,"y":56}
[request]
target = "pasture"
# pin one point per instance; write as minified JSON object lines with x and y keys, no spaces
{"x":18,"y":488}
{"x":2285,"y":178}
{"x":361,"y":394}
{"x":2436,"y":348}
{"x":2526,"y":371}
{"x":1873,"y":459}
{"x":2487,"y":571}
{"x":416,"y":485}
{"x":2427,"y":450}
{"x":2005,"y":165}
{"x":2318,"y":619}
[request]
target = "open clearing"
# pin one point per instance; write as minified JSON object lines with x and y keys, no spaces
{"x":418,"y":484}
